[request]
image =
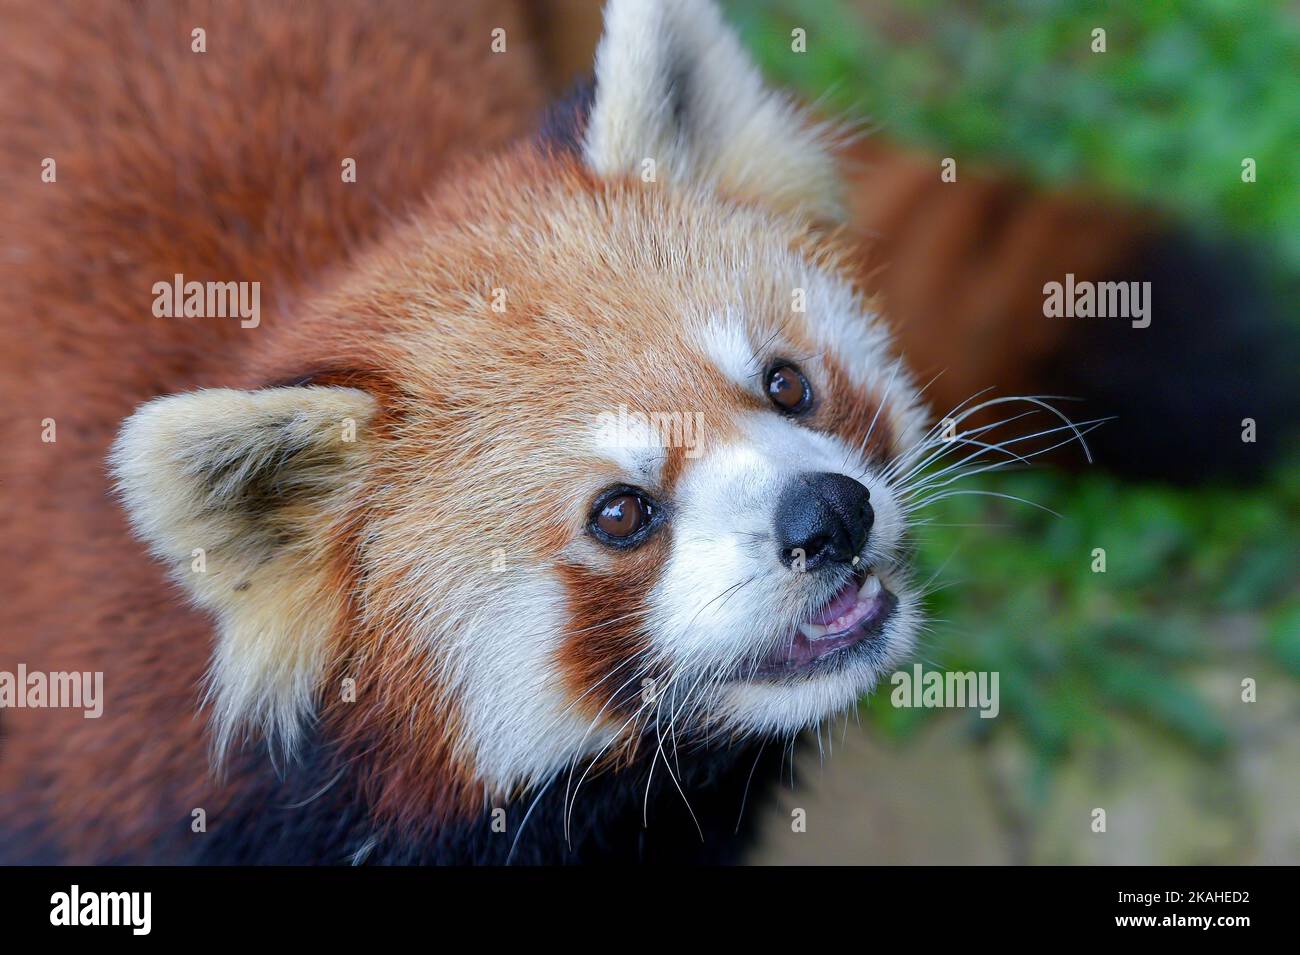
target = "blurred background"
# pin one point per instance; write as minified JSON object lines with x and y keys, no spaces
{"x":1120,"y":690}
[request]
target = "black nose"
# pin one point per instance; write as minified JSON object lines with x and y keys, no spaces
{"x":821,"y":519}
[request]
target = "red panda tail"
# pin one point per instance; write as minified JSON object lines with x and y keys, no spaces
{"x":965,"y":271}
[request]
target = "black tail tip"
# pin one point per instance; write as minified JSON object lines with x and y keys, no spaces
{"x":1207,"y":390}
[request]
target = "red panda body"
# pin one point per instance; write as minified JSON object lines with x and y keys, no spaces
{"x":338,"y":692}
{"x":209,"y":165}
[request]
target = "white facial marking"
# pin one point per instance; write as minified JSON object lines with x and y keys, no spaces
{"x":630,"y":440}
{"x":725,"y":340}
{"x":521,"y":723}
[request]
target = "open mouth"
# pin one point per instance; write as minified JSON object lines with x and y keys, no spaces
{"x":854,"y":617}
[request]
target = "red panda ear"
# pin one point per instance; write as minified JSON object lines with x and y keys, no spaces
{"x":677,"y":99}
{"x":244,"y":495}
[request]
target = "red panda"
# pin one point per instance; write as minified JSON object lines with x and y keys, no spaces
{"x":557,"y":484}
{"x":547,"y":481}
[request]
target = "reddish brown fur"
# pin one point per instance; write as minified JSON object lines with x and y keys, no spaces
{"x":856,"y":417}
{"x":605,"y":652}
{"x":173,"y":161}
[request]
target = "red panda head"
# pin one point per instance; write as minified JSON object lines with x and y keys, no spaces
{"x":601,"y":445}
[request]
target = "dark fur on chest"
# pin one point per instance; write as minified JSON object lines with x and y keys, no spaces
{"x":317,"y":815}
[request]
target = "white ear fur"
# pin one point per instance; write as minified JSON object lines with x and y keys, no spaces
{"x":673,"y":85}
{"x":260,"y":482}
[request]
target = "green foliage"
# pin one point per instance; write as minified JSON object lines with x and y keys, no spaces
{"x":1193,"y":578}
{"x":1182,"y":94}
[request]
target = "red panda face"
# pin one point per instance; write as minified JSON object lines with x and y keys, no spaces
{"x":747,"y":572}
{"x":742,"y":564}
{"x":781,"y":589}
{"x":626,"y":455}
{"x":657,"y":489}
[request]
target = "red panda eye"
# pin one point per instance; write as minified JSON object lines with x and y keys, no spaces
{"x":789,"y":389}
{"x":622,"y":516}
